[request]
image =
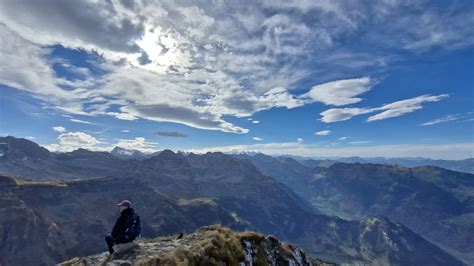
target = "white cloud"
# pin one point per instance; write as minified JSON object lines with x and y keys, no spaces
{"x":122,"y":116}
{"x":300,"y":139}
{"x":279,"y":97}
{"x":435,"y":29}
{"x":23,"y":66}
{"x":390,"y":110}
{"x":125,"y":131}
{"x":342,"y":138}
{"x":340,"y":92}
{"x":257,"y":138}
{"x":342,"y":114}
{"x":443,"y":119}
{"x":139,"y":143}
{"x":71,"y":141}
{"x":59,"y":129}
{"x":323,"y":133}
{"x":405,"y":106}
{"x":183,"y":115}
{"x":255,"y":122}
{"x":454,"y":151}
{"x":100,"y":25}
{"x":81,"y":121}
{"x":360,"y":142}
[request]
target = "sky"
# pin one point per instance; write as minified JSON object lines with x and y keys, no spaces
{"x":324,"y":78}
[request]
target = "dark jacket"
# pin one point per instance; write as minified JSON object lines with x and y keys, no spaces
{"x":118,"y":232}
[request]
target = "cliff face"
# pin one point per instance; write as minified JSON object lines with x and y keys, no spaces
{"x":210,"y":245}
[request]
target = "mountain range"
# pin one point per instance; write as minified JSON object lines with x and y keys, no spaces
{"x":466,"y":165}
{"x":434,"y":202}
{"x":65,"y":203}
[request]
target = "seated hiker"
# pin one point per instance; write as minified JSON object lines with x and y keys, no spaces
{"x":127,"y":227}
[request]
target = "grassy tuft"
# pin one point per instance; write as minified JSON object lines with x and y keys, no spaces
{"x":215,"y":245}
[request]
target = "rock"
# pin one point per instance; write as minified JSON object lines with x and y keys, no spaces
{"x":119,"y":263}
{"x":209,"y":245}
{"x":120,"y":248}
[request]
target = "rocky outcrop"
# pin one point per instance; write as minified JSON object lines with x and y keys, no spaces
{"x":209,"y":245}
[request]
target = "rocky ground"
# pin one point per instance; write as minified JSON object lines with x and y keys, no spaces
{"x":210,"y":245}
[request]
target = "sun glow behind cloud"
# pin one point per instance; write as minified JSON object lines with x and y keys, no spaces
{"x":198,"y":64}
{"x":211,"y":66}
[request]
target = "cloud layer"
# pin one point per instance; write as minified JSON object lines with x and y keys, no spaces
{"x":340,"y":92}
{"x":443,"y":119}
{"x":323,"y":133}
{"x":390,"y":110}
{"x":70,"y":141}
{"x":436,"y":151}
{"x":173,"y":134}
{"x":196,"y":63}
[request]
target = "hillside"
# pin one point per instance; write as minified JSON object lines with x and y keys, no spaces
{"x":55,"y":220}
{"x":428,"y":200}
{"x":465,"y":166}
{"x":27,"y":159}
{"x":434,"y":202}
{"x":210,"y":245}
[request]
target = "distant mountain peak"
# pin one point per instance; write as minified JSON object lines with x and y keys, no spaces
{"x":19,"y":148}
{"x":167,"y":153}
{"x":124,"y":153}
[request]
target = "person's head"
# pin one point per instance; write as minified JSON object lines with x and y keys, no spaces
{"x":124,"y":204}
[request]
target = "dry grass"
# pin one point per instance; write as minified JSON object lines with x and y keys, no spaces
{"x":25,"y":182}
{"x":160,"y":238}
{"x":197,"y":201}
{"x":287,"y":250}
{"x":212,"y":245}
{"x":215,"y":245}
{"x":54,"y":183}
{"x":250,"y":236}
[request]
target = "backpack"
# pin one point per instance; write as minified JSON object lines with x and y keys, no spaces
{"x":133,"y":227}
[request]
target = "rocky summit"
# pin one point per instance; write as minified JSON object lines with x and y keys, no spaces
{"x":209,"y":245}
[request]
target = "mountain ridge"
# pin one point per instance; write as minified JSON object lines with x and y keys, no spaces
{"x":236,"y":193}
{"x":432,"y":201}
{"x":209,"y":245}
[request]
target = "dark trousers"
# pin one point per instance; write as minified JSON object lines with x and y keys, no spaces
{"x":111,"y":241}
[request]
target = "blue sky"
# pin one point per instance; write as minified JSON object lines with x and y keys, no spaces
{"x":311,"y":78}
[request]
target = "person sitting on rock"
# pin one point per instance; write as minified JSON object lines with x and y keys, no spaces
{"x":127,"y":227}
